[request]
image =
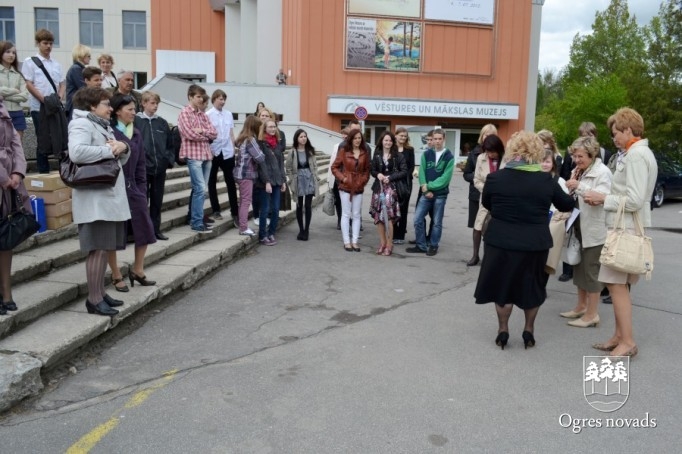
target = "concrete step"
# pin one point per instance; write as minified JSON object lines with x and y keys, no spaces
{"x":49,"y":274}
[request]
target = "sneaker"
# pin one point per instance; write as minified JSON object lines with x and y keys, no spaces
{"x":208,"y":220}
{"x":202,"y":229}
{"x":267,"y":242}
{"x":272,"y":239}
{"x":256,"y":221}
{"x":247,"y":232}
{"x":415,"y":250}
{"x":432,"y":251}
{"x":217,"y":216}
{"x":565,"y":277}
{"x":398,"y":241}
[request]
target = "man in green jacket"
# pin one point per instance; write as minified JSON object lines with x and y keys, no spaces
{"x":435,"y":173}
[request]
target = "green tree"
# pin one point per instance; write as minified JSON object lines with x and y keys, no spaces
{"x":660,"y":102}
{"x":594,"y":101}
{"x":615,"y":44}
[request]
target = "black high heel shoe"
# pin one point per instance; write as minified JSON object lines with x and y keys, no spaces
{"x":528,"y":339}
{"x":9,"y":305}
{"x":101,"y":308}
{"x":501,"y":339}
{"x":141,"y":279}
{"x":112,"y":302}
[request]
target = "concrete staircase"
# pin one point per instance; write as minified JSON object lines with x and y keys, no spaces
{"x":49,"y":285}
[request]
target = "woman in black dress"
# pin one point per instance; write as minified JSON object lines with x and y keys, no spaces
{"x":518,"y":239}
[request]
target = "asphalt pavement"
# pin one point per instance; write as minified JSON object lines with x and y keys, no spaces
{"x":305,"y":348}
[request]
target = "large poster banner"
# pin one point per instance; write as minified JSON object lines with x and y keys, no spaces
{"x":383,"y":44}
{"x":396,"y":8}
{"x":473,"y":11}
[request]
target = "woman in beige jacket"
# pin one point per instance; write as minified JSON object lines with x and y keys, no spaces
{"x":489,"y":161}
{"x":633,"y":183}
{"x":12,"y":86}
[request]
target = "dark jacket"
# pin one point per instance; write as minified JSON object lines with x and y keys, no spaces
{"x":566,"y":167}
{"x":469,"y":170}
{"x":408,"y":154}
{"x":53,"y":137}
{"x":271,"y":170}
{"x":74,"y":81}
{"x":519,"y":204}
{"x":356,"y":173}
{"x":158,"y":143}
{"x":396,"y":169}
{"x":134,"y":171}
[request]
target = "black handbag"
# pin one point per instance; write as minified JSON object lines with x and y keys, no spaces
{"x":100,"y":174}
{"x":17,"y":226}
{"x":285,"y":204}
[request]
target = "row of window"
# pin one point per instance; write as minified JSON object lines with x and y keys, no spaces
{"x":91,"y":26}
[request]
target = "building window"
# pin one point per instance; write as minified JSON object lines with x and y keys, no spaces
{"x":7,"y":23}
{"x":48,"y":18}
{"x":91,"y":27}
{"x":140,"y":79}
{"x":134,"y":30}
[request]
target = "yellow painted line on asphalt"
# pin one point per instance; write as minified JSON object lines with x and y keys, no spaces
{"x":90,"y":440}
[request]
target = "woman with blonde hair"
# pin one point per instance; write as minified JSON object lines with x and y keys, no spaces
{"x":74,"y":76}
{"x":518,"y":239}
{"x":475,"y":194}
{"x":633,"y":184}
{"x":271,"y":181}
{"x":589,"y":174}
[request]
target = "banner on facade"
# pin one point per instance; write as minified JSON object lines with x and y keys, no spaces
{"x":382,"y":44}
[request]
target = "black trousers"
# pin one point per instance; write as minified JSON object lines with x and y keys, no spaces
{"x":401,"y":225}
{"x":155,"y":188}
{"x":337,"y":201}
{"x":41,"y":158}
{"x":226,"y":165}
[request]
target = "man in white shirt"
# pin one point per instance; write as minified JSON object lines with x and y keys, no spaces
{"x":39,"y":87}
{"x":223,"y":155}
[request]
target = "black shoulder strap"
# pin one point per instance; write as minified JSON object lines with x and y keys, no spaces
{"x":40,"y":65}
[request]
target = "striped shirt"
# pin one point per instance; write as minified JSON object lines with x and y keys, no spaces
{"x":195,"y":145}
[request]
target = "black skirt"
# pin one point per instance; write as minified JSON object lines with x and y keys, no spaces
{"x":512,"y":277}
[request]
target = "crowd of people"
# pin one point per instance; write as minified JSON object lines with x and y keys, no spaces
{"x":521,"y":195}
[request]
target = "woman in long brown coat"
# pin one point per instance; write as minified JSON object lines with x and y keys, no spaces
{"x":12,"y":172}
{"x":351,"y":170}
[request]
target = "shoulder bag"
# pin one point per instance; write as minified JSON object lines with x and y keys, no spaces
{"x":625,"y":251}
{"x":570,"y":253}
{"x":97,"y":175}
{"x":17,"y":226}
{"x":328,"y":206}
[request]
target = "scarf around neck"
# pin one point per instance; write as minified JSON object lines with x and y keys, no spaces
{"x":127,"y":130}
{"x":99,"y":121}
{"x":519,"y":163}
{"x":271,"y":140}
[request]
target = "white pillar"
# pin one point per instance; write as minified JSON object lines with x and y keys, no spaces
{"x":533,"y":61}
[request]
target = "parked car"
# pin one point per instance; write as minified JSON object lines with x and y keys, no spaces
{"x":669,"y":181}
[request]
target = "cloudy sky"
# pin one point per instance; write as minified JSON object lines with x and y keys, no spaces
{"x":562,"y":19}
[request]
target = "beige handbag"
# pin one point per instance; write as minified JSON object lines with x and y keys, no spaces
{"x":625,"y":251}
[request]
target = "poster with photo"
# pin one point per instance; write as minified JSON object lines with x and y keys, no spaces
{"x":383,"y":44}
{"x":470,"y":11}
{"x":396,"y":8}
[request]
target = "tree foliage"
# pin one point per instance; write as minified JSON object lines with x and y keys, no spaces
{"x":619,"y":64}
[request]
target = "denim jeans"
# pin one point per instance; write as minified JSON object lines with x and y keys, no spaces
{"x":198,"y":176}
{"x":269,"y":203}
{"x":424,"y":206}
